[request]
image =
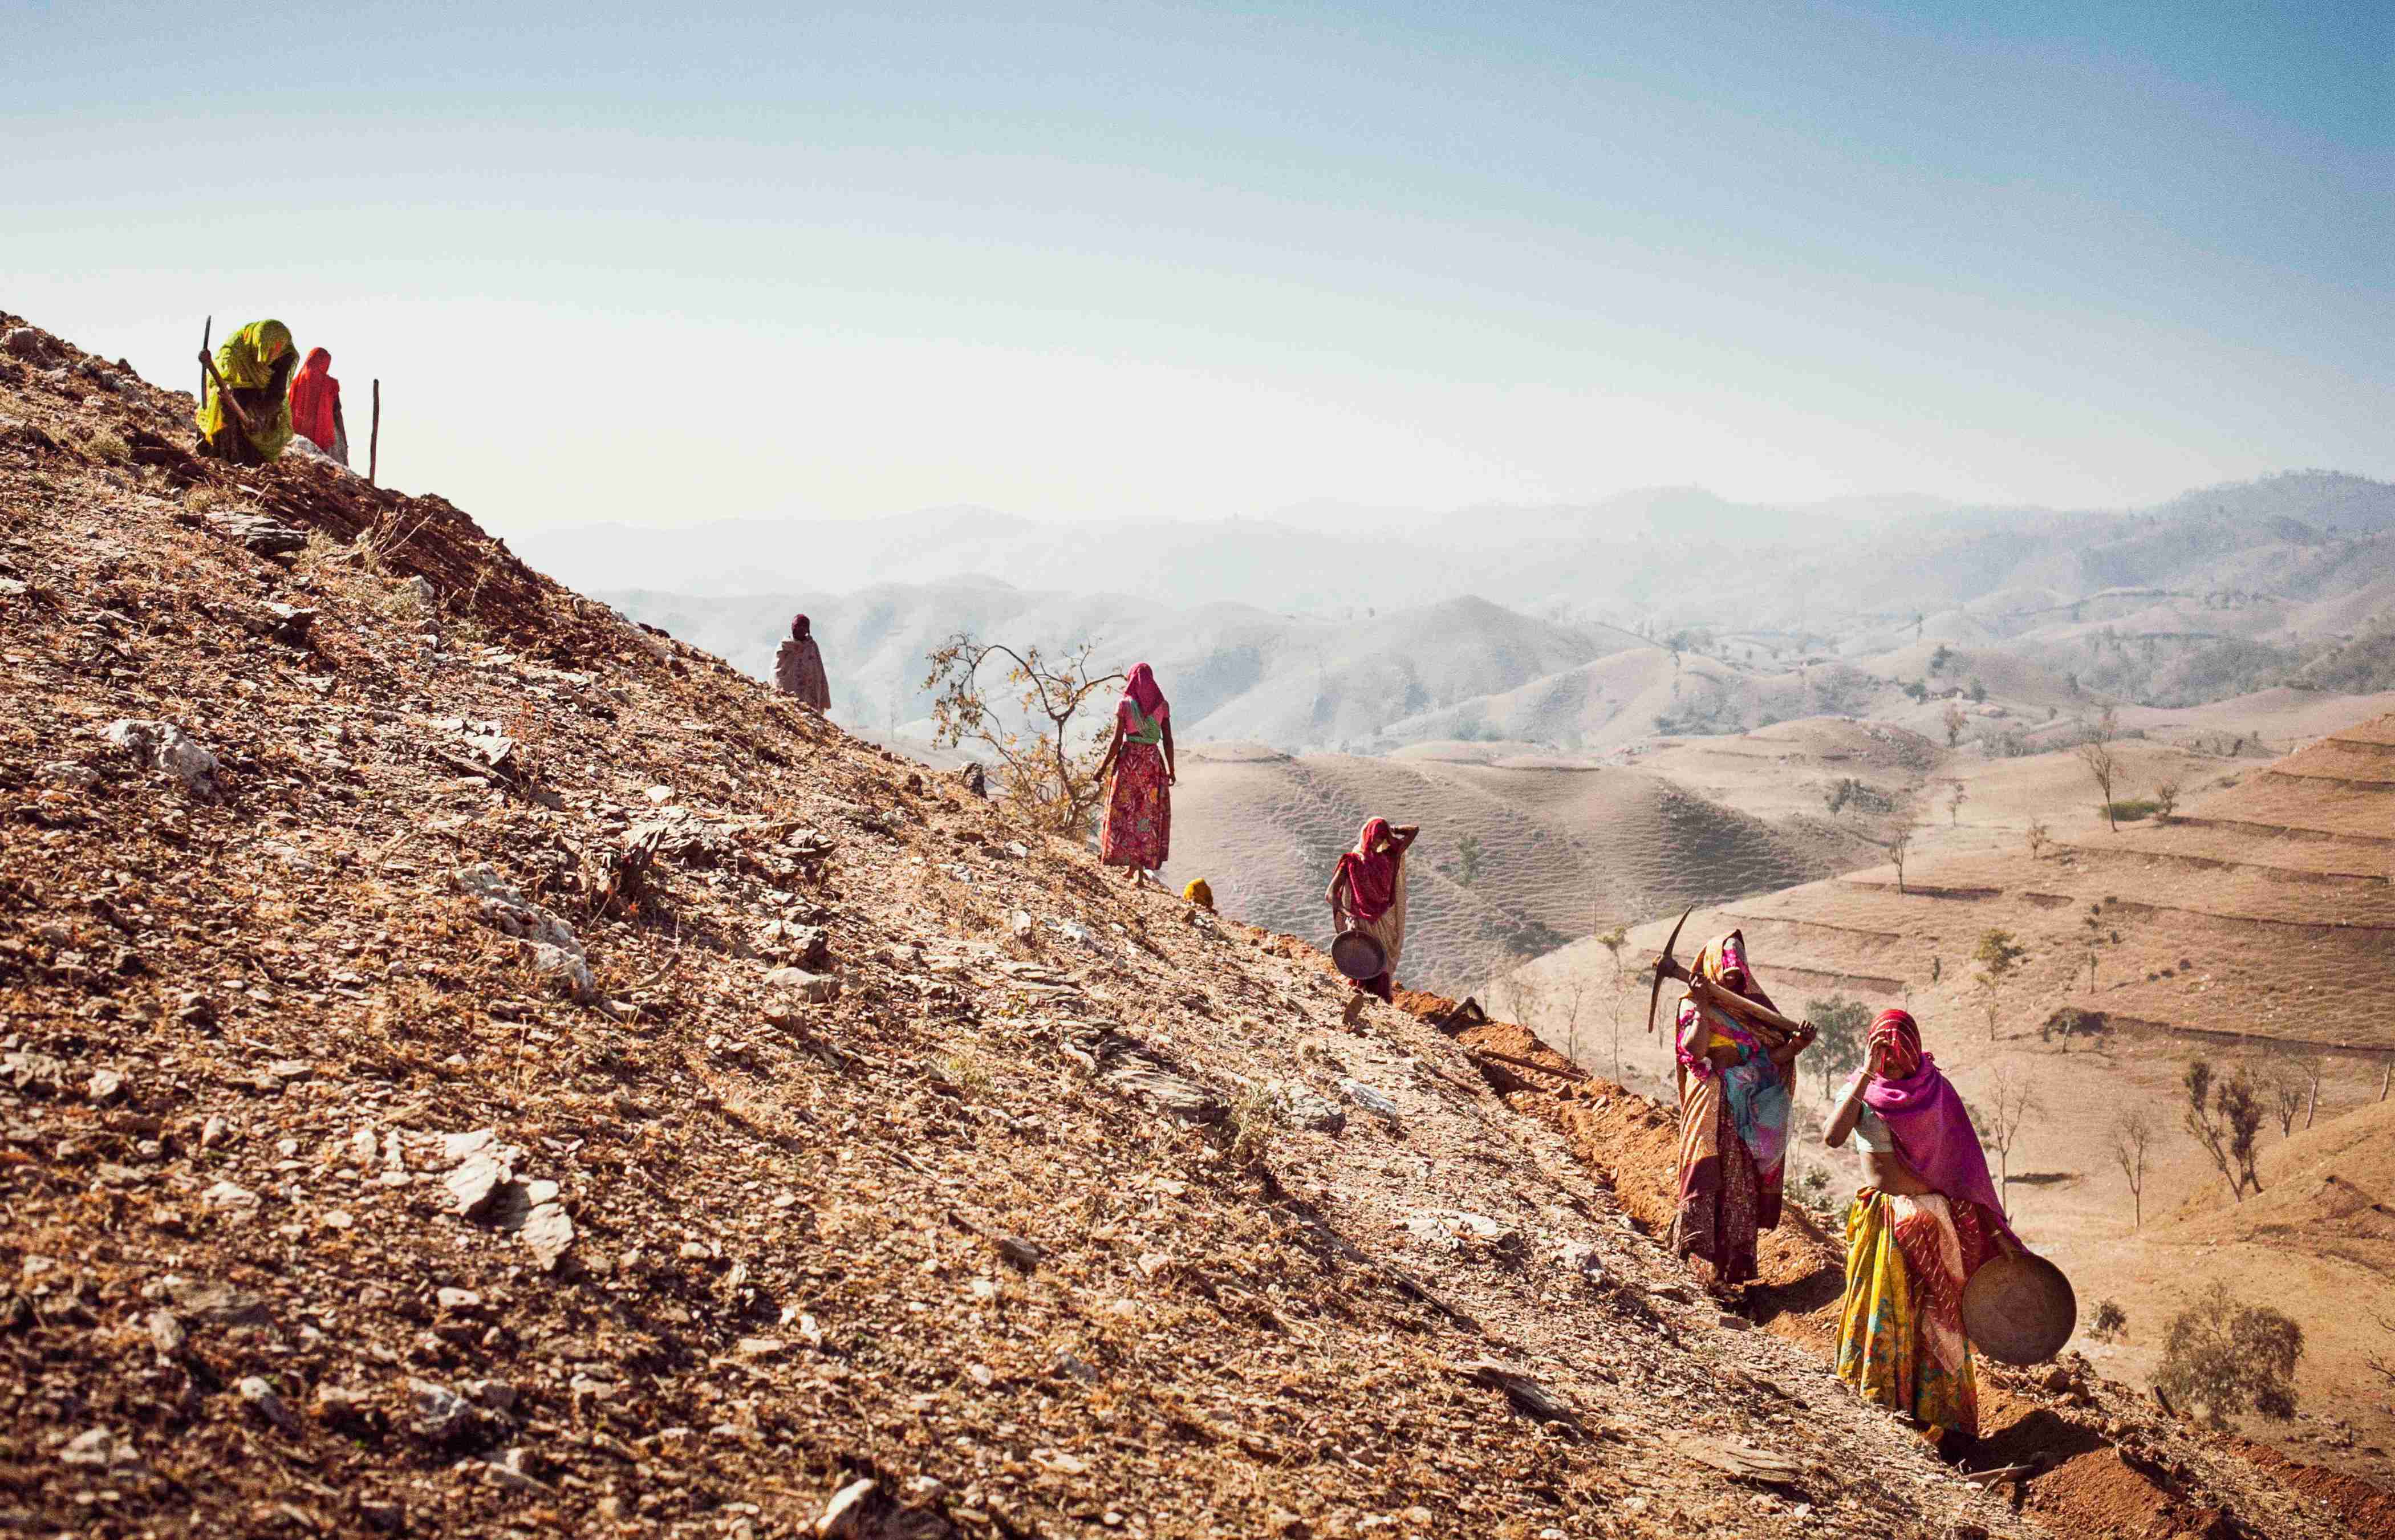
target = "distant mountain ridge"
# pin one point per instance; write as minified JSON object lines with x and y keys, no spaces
{"x":1532,"y":630}
{"x":1667,"y":556}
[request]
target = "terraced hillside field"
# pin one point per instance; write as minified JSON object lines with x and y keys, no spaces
{"x":2256,"y":931}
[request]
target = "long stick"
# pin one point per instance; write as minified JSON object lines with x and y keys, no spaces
{"x":374,"y":435}
{"x":224,"y":394}
{"x":206,"y":327}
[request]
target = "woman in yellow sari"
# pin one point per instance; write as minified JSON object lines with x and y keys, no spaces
{"x":256,"y":362}
{"x":1926,"y":1218}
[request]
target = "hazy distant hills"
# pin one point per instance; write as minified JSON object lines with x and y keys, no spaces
{"x":1671,"y":556}
{"x":1232,"y":671}
{"x":1518,"y":623}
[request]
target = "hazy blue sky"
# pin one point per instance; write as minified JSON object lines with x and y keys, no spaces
{"x":671,"y":262}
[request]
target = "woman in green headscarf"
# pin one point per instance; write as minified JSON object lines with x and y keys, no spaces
{"x":256,"y":362}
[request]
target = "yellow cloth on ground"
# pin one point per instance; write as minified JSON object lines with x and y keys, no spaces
{"x":1199,"y":894}
{"x":246,"y":361}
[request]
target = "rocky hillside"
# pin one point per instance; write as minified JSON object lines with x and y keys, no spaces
{"x":472,"y":1067}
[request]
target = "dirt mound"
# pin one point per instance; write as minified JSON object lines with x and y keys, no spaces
{"x":472,"y":1066}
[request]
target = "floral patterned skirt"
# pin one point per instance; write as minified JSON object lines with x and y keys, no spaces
{"x":1901,"y":1341}
{"x":1138,"y":827}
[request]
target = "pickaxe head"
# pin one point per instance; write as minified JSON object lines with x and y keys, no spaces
{"x":1666,"y":967}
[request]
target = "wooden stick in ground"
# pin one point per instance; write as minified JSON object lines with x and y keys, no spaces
{"x":374,"y":435}
{"x":224,"y":394}
{"x":208,"y":328}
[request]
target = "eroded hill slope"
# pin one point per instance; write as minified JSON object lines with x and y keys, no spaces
{"x":1517,"y":852}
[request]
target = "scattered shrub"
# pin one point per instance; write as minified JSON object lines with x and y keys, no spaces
{"x":107,"y":445}
{"x":2227,"y":1357}
{"x":2111,"y":1322}
{"x":1254,"y":1115}
{"x":2132,"y":809}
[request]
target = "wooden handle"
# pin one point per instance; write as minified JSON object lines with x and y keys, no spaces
{"x":224,"y":394}
{"x":1763,"y":1020}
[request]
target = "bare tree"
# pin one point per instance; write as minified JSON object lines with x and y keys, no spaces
{"x":2286,"y":1088}
{"x":2012,"y":1101}
{"x":2103,"y":764}
{"x":1999,"y":957}
{"x":1051,"y":770}
{"x":2166,"y":798}
{"x":2293,"y":1079}
{"x":1954,"y":720}
{"x":1574,"y":988}
{"x":2133,"y":1134}
{"x":1613,"y":940}
{"x":1526,"y":994}
{"x":2038,"y":838}
{"x":2225,"y":1116}
{"x":1900,"y":845}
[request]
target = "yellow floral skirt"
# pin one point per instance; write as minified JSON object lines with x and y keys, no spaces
{"x":1901,"y":1341}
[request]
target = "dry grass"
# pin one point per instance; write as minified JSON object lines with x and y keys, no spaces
{"x":1254,"y":1118}
{"x":108,"y":446}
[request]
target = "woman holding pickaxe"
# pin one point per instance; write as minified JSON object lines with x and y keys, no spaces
{"x":246,"y":417}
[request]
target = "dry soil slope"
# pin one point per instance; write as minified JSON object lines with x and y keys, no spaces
{"x":1563,"y":846}
{"x":2318,"y":1241}
{"x":998,"y":1225}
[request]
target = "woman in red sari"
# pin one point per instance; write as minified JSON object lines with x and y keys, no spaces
{"x":1138,"y":828}
{"x":316,"y":406}
{"x":1368,"y":893}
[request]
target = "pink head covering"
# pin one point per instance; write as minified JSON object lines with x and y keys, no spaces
{"x":800,"y":625}
{"x":1141,"y":689}
{"x":1926,"y":1114}
{"x":1371,"y":873}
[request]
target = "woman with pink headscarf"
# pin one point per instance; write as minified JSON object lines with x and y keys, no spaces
{"x":1368,"y":893}
{"x":1138,"y":828}
{"x":1928,"y":1214}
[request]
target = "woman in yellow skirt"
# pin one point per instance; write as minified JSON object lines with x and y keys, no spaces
{"x":1927,"y":1215}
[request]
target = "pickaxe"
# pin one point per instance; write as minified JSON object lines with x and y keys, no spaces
{"x":1767,"y":1024}
{"x":241,"y":418}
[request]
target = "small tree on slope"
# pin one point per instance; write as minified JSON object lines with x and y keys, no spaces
{"x":2229,"y":1357}
{"x":1050,"y":771}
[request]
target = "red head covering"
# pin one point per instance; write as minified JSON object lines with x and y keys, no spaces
{"x":1141,"y":689}
{"x":1896,"y":1032}
{"x":314,"y":396}
{"x":800,"y":625}
{"x":1370,"y":873}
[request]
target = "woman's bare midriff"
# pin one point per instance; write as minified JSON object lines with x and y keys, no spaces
{"x":1890,"y":1173}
